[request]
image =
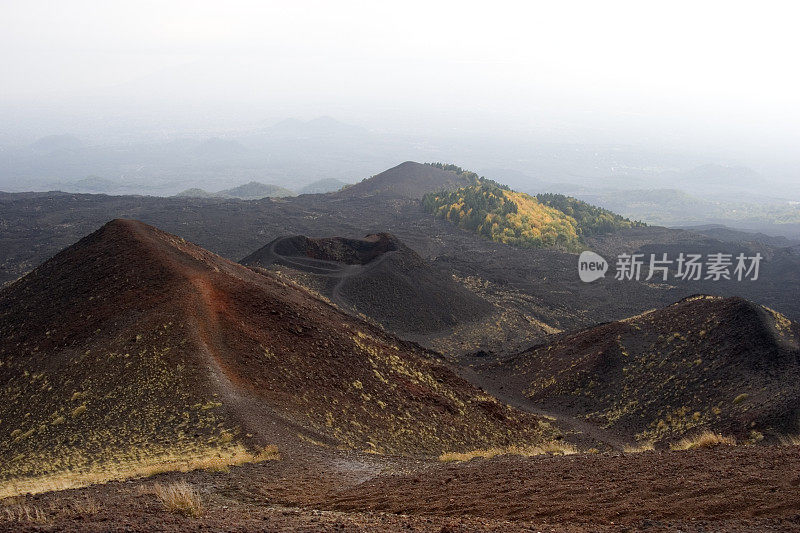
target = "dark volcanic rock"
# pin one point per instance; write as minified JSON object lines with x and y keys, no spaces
{"x":723,"y":364}
{"x":380,"y":277}
{"x":134,"y":344}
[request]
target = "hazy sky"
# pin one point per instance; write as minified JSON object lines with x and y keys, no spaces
{"x":693,"y":72}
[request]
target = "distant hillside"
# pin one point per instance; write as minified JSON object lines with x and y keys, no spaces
{"x":726,"y":234}
{"x":135,"y":350}
{"x":196,"y":193}
{"x":95,"y":184}
{"x":255,"y":190}
{"x":249,"y":191}
{"x":502,"y":215}
{"x":379,"y":277}
{"x":323,"y":186}
{"x":407,"y":180}
{"x":723,"y":364}
{"x":656,"y":206}
{"x":676,"y":208}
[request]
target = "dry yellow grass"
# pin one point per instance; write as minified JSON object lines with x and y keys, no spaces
{"x":707,"y":439}
{"x":789,"y":440}
{"x":23,"y":513}
{"x":269,"y":453}
{"x":220,"y":463}
{"x":641,"y":447}
{"x":555,"y":448}
{"x":180,"y":498}
{"x":79,"y":508}
{"x":210,"y":459}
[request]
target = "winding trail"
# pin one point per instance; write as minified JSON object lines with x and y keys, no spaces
{"x":324,"y":268}
{"x":302,"y":450}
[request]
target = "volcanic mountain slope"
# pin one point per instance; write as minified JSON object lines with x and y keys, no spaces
{"x":379,"y":277}
{"x":406,"y":180}
{"x":134,"y":346}
{"x":723,"y":364}
{"x":539,"y":283}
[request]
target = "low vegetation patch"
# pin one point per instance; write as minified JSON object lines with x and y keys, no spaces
{"x":16,"y":509}
{"x":180,"y":498}
{"x":80,"y":508}
{"x":23,"y":513}
{"x":707,"y":439}
{"x":639,"y":448}
{"x":211,"y":459}
{"x":552,"y":448}
{"x":789,"y":440}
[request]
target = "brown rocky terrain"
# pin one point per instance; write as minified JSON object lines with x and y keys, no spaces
{"x":148,"y":384}
{"x":134,"y":348}
{"x":704,"y":363}
{"x":730,"y":489}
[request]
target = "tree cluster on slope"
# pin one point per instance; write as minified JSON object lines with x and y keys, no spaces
{"x":496,"y":212}
{"x":592,"y":220}
{"x":503,"y":216}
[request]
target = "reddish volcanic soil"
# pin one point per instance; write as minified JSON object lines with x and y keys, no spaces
{"x":133,"y":335}
{"x":723,"y":489}
{"x":86,"y":335}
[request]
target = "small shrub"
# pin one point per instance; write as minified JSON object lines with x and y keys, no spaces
{"x":77,"y":508}
{"x":86,"y":507}
{"x":180,"y":498}
{"x":269,"y":453}
{"x":739,"y":399}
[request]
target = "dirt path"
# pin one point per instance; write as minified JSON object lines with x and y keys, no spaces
{"x":325,"y":268}
{"x":256,"y":418}
{"x":305,"y":453}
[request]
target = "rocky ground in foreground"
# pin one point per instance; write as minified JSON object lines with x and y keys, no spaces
{"x":755,"y":488}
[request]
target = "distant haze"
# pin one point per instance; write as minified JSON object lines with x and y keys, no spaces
{"x":680,"y":85}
